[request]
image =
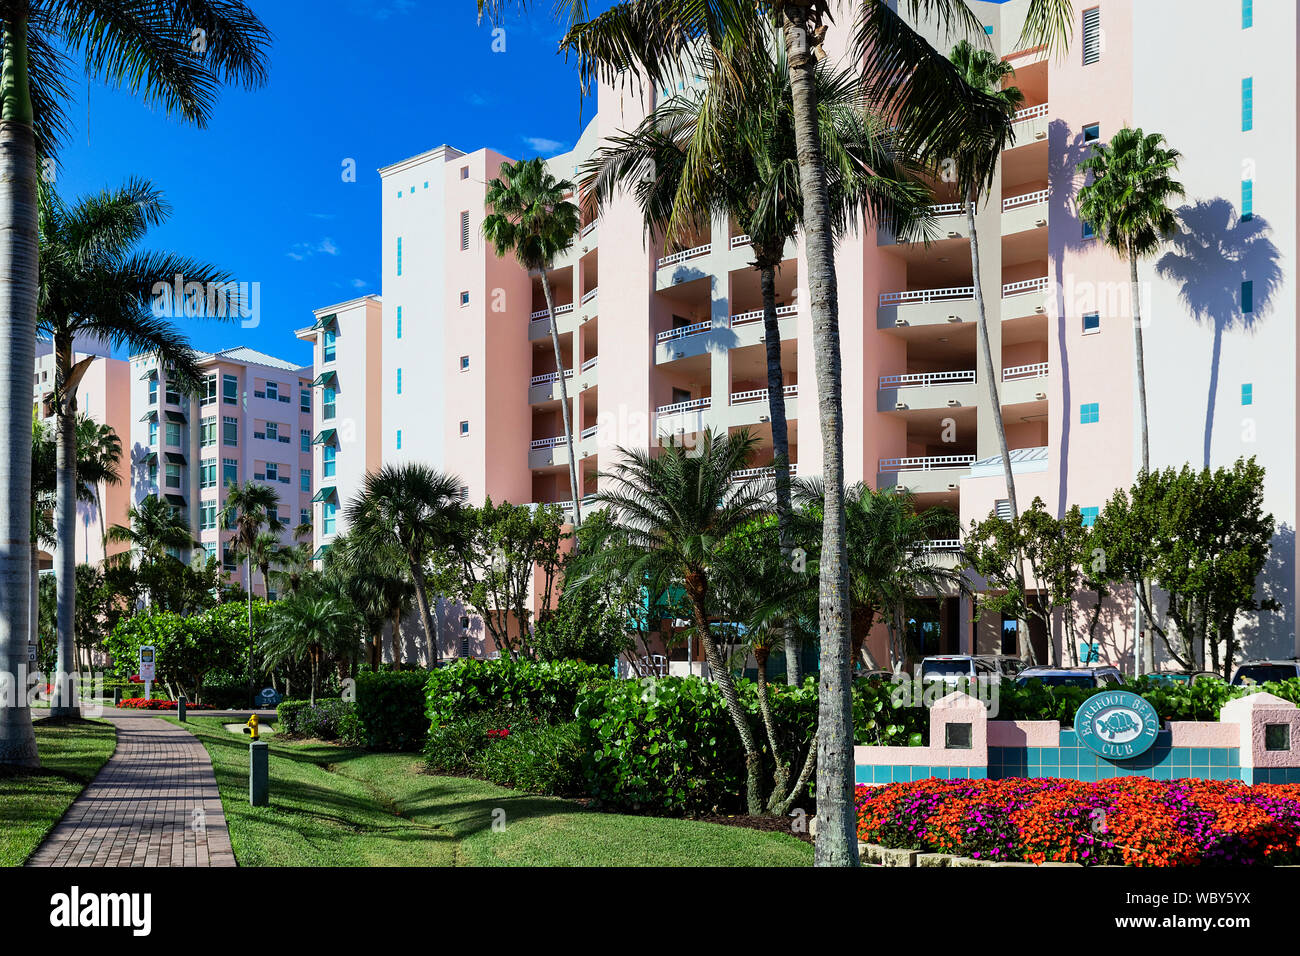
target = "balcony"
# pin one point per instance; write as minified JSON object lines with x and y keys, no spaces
{"x":682,"y":416}
{"x":1024,"y":298}
{"x":950,"y":219}
{"x":1025,"y":212}
{"x":539,"y":327}
{"x":926,"y":390}
{"x":1016,"y":373}
{"x":748,"y":474}
{"x":1022,"y":384}
{"x":932,"y":474}
{"x":546,"y":388}
{"x":925,"y":307}
{"x":738,"y":331}
{"x":751,"y":407}
{"x":684,"y":256}
{"x":547,"y":452}
{"x":1030,"y":125}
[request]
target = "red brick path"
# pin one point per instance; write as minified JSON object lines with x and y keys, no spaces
{"x":155,"y":803}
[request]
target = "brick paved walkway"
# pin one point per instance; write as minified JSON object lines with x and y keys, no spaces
{"x":155,"y":803}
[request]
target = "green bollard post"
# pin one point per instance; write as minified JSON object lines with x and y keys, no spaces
{"x":180,"y":708}
{"x":259,"y":786}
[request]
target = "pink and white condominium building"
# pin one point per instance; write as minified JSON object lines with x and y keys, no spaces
{"x":251,"y":421}
{"x":454,"y":366}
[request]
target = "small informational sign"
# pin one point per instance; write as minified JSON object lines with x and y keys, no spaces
{"x":146,"y":663}
{"x":31,"y":653}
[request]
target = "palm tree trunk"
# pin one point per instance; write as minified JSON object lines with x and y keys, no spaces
{"x":248,"y":579}
{"x":564,"y":404}
{"x":782,"y":772}
{"x":837,"y":841}
{"x":780,"y":445}
{"x":1140,"y":358}
{"x":995,"y":404}
{"x":426,"y":616}
{"x":65,"y":530}
{"x":18,"y":293}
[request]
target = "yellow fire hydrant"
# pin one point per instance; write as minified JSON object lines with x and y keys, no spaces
{"x":251,"y":727}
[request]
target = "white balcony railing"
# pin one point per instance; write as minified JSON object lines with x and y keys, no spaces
{"x":942,"y":544}
{"x":1029,"y":113}
{"x":559,"y":311}
{"x":546,"y":442}
{"x":948,"y":209}
{"x":588,"y":365}
{"x":685,"y":254}
{"x":677,"y":407}
{"x":756,"y":315}
{"x":1015,"y":373}
{"x":589,"y":432}
{"x":747,"y":473}
{"x":549,"y":377}
{"x":1024,"y":286}
{"x":928,"y":295}
{"x":589,"y":228}
{"x":760,"y":394}
{"x":1025,"y":199}
{"x":925,"y":379}
{"x":931,"y":463}
{"x":684,"y":331}
{"x":589,"y":295}
{"x":738,"y":241}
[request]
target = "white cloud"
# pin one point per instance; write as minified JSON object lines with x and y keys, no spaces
{"x":305,"y":250}
{"x":543,"y":145}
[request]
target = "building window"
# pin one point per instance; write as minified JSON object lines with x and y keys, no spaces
{"x":153,"y":391}
{"x":207,"y":432}
{"x":304,"y":516}
{"x":209,"y":390}
{"x":153,"y":472}
{"x":208,"y":473}
{"x":1248,"y":296}
{"x":1088,"y":231}
{"x":464,"y":299}
{"x":173,"y":434}
{"x":464,"y":429}
{"x":399,"y":321}
{"x":273,"y":391}
{"x":1090,"y":413}
{"x":464,"y":172}
{"x":304,"y":401}
{"x":304,"y":484}
{"x":1247,"y":14}
{"x":153,"y":434}
{"x":1010,"y":635}
{"x":328,"y":347}
{"x":1091,"y":36}
{"x":272,"y":431}
{"x":229,"y":472}
{"x":1247,"y":104}
{"x":230,"y":390}
{"x":1089,"y":516}
{"x":399,"y":439}
{"x":1247,"y":199}
{"x":173,"y":474}
{"x":304,"y":438}
{"x":329,"y":517}
{"x":464,"y":230}
{"x":1248,"y":394}
{"x":208,"y":516}
{"x":399,"y":255}
{"x":399,"y":381}
{"x":327,"y":403}
{"x":1092,"y":133}
{"x":464,"y":363}
{"x":328,"y":454}
{"x":1091,"y":322}
{"x":172,"y":395}
{"x":230,"y":431}
{"x":272,"y":471}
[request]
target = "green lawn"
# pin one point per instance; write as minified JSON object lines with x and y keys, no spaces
{"x":333,"y":806}
{"x":33,"y":801}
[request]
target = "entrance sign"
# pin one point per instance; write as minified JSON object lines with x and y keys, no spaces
{"x":1117,"y":725}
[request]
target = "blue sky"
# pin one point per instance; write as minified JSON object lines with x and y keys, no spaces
{"x":260,"y":193}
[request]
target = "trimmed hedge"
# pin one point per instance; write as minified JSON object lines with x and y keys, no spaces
{"x":544,"y":758}
{"x":390,"y":709}
{"x":548,"y":690}
{"x":325,"y":720}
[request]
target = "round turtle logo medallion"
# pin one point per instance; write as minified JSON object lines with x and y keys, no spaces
{"x":1117,"y":725}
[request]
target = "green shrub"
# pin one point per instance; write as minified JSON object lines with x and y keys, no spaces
{"x":327,"y":719}
{"x":454,"y":747}
{"x":548,"y":690}
{"x":543,"y":758}
{"x":390,"y":709}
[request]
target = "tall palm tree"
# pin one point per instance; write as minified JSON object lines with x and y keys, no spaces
{"x":1128,"y":205}
{"x":310,"y":625}
{"x":172,"y":53}
{"x":250,"y":512}
{"x":379,"y":585}
{"x":671,"y":515}
{"x":94,"y":281}
{"x":153,"y":530}
{"x":412,"y":508}
{"x":904,"y":77}
{"x":531,"y":219}
{"x":751,"y":176}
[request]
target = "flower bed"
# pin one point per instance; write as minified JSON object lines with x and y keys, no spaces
{"x":144,"y":703}
{"x":1126,"y":820}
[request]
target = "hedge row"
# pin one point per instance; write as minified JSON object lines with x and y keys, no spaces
{"x":327,"y":719}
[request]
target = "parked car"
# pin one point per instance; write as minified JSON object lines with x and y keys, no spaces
{"x":1071,"y":676}
{"x":951,"y":668}
{"x":1259,"y":672}
{"x":1183,"y":677}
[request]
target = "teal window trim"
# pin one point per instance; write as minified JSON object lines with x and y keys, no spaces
{"x":399,"y":439}
{"x":1089,"y":413}
{"x":399,"y":321}
{"x":1247,"y":199}
{"x":399,"y":381}
{"x":1247,"y":104}
{"x":1248,"y":394}
{"x":1089,"y":516}
{"x":399,"y":255}
{"x":1247,"y":14}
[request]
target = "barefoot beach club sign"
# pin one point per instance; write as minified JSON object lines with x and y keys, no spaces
{"x":1117,"y":725}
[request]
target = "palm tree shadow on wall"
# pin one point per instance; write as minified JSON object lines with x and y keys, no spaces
{"x":1214,"y":254}
{"x":1266,"y":634}
{"x":1066,"y":150}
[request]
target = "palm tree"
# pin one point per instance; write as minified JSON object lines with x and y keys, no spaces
{"x":673,"y":513}
{"x":250,"y":513}
{"x":99,"y":464}
{"x":531,"y":218}
{"x":1128,"y":205}
{"x":904,"y":77}
{"x":95,"y":282}
{"x":751,"y":177}
{"x":173,"y":54}
{"x":379,"y":585}
{"x":412,"y":508}
{"x":153,"y":530}
{"x":310,"y":625}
